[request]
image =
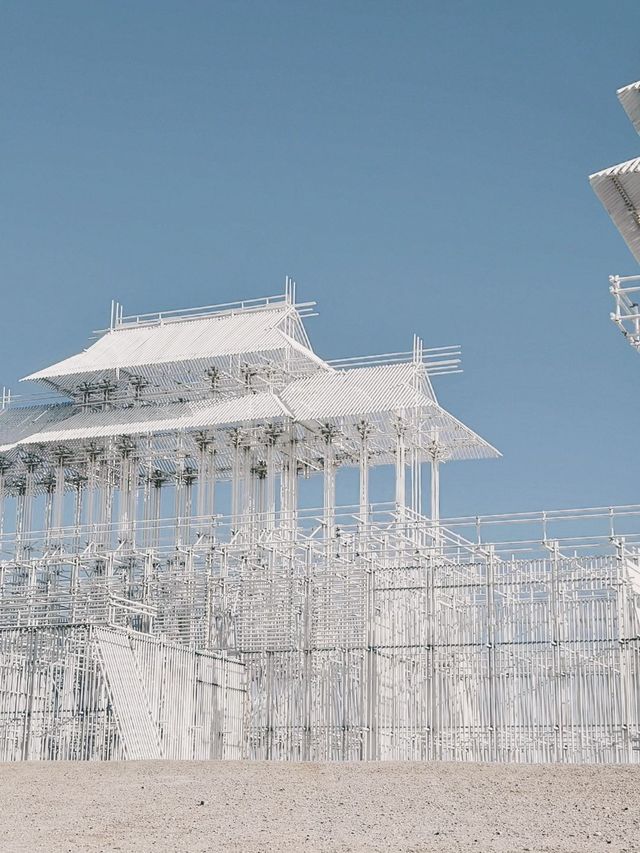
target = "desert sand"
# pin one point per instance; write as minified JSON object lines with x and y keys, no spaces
{"x":251,"y":807}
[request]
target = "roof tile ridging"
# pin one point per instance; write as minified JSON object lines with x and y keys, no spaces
{"x":343,"y":396}
{"x":630,"y":99}
{"x":618,"y":188}
{"x":209,"y":337}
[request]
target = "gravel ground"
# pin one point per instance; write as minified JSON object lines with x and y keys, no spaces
{"x":249,"y":807}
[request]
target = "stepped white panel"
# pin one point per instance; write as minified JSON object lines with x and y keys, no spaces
{"x":132,"y":347}
{"x":630,"y":99}
{"x":618,"y":188}
{"x":82,"y":692}
{"x":128,"y":696}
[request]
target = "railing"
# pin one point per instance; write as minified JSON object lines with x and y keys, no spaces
{"x":437,"y":360}
{"x":94,"y":605}
{"x":579,"y":530}
{"x":515,"y":535}
{"x":626,"y":316}
{"x":119,"y":320}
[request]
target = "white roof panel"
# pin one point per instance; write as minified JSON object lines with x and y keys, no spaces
{"x":154,"y":419}
{"x":345,"y":396}
{"x":360,"y":391}
{"x":618,"y":188}
{"x":130,"y":347}
{"x":19,"y":422}
{"x":457,"y":440}
{"x":630,"y":99}
{"x":384,"y":390}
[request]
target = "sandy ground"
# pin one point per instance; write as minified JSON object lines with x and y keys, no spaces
{"x":211,"y":806}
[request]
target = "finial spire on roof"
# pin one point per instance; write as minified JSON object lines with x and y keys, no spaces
{"x":289,"y":290}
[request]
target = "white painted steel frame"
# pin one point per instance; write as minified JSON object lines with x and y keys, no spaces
{"x":618,"y":188}
{"x":398,"y":640}
{"x":165,"y":591}
{"x":76,"y":691}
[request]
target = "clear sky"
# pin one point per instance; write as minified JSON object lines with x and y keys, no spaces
{"x":415,"y":166}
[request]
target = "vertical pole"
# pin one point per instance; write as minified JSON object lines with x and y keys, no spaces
{"x":288,"y":484}
{"x":178,"y":488}
{"x":401,"y":459}
{"x":146,"y":493}
{"x":236,"y":440}
{"x":491,"y":654}
{"x":211,"y":497}
{"x":190,"y":477}
{"x":307,"y":661}
{"x":626,"y":681}
{"x":4,"y":467}
{"x":248,"y":489}
{"x":435,"y":500}
{"x":91,"y":466}
{"x":435,"y":744}
{"x":416,"y":481}
{"x":329,"y":490}
{"x":372,"y":750}
{"x":107,"y":483}
{"x":58,"y":497}
{"x":364,"y":429}
{"x":159,"y":479}
{"x":203,"y":479}
{"x":556,"y":642}
{"x":272,"y":434}
{"x":435,"y":490}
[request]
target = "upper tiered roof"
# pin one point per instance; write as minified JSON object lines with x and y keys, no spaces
{"x":176,"y":351}
{"x":630,"y":99}
{"x":380,"y":395}
{"x":618,"y":187}
{"x":206,"y":372}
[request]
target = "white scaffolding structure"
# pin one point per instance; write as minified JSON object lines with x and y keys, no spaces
{"x":214,"y":543}
{"x":618,"y":188}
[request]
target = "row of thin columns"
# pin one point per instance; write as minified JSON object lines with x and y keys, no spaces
{"x":253,"y":493}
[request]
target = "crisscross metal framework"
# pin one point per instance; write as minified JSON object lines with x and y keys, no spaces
{"x":215,"y":543}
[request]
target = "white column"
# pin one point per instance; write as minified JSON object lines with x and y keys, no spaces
{"x":364,"y":429}
{"x":329,"y":490}
{"x":435,"y":490}
{"x":401,"y":461}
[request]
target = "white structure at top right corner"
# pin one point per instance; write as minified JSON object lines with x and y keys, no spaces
{"x":618,"y":188}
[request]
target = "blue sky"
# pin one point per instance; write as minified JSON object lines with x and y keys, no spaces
{"x":415,"y":166}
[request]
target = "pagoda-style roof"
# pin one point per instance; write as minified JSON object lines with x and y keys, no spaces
{"x":163,"y":386}
{"x":176,"y":351}
{"x":618,"y":188}
{"x":382,"y":396}
{"x":18,"y":423}
{"x":630,"y":99}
